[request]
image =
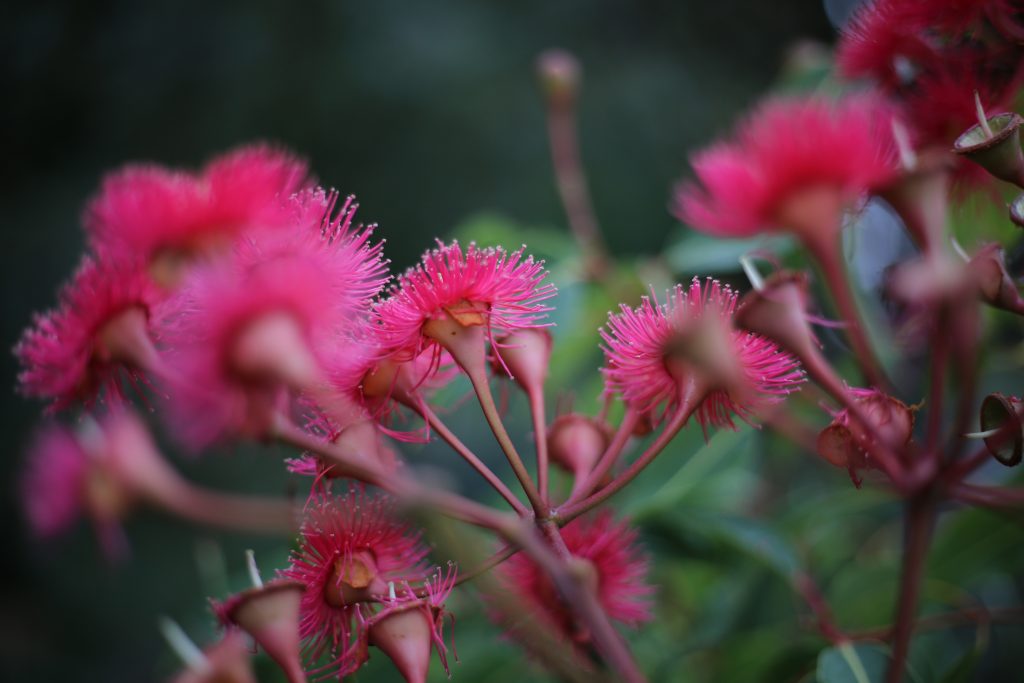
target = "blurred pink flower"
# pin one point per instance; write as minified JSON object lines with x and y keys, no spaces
{"x":787,"y":151}
{"x":98,"y":336}
{"x":165,"y":218}
{"x":618,"y":576}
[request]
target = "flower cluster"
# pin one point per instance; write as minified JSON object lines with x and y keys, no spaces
{"x":931,"y":56}
{"x":245,"y":302}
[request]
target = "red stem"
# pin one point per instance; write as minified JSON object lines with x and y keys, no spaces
{"x":478,"y":378}
{"x":808,"y":589}
{"x":572,"y":185}
{"x":609,"y":457}
{"x":989,"y":496}
{"x":833,"y":269}
{"x":581,"y":601}
{"x":446,"y":502}
{"x":231,"y":511}
{"x":920,"y":522}
{"x":692,"y":394}
{"x":459,"y":447}
{"x":540,"y":438}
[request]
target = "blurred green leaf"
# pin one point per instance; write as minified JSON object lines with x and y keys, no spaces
{"x":849,"y":663}
{"x":697,"y":253}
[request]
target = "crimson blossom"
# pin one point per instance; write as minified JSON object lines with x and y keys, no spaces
{"x":794,"y":164}
{"x":168,"y":219}
{"x":350,"y":549}
{"x":616,"y":572}
{"x":249,"y":330}
{"x":99,"y":335}
{"x":479,"y":287}
{"x":646,"y":363}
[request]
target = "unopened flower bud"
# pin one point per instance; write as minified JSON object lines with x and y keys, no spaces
{"x":525,"y":354}
{"x":1003,"y":414}
{"x":576,"y":442}
{"x":559,"y":73}
{"x":931,"y":280}
{"x":270,"y":614}
{"x":406,"y":637}
{"x":995,"y":286}
{"x":847,"y":443}
{"x":995,"y":146}
{"x":778,"y":311}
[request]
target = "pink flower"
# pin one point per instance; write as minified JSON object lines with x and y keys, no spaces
{"x":247,"y":332}
{"x":101,"y":471}
{"x":478,"y":287}
{"x":619,"y":575}
{"x":98,"y":336}
{"x":350,"y":548}
{"x":884,"y":41}
{"x":641,"y":347}
{"x":167,"y":218}
{"x":53,"y":482}
{"x":787,"y":157}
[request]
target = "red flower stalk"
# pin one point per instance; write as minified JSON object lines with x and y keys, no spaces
{"x":98,"y":336}
{"x":795,"y":164}
{"x":168,"y":219}
{"x":362,"y":374}
{"x":484,"y":287}
{"x":617,"y":574}
{"x":248,"y":331}
{"x":646,"y":364}
{"x":350,"y":548}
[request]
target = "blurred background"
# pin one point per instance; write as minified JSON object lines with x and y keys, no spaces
{"x":431,"y":114}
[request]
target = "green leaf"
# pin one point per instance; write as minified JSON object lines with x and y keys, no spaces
{"x":696,"y":253}
{"x":739,"y":534}
{"x":691,"y":473}
{"x":849,"y":663}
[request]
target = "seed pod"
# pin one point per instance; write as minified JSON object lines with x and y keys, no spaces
{"x":1003,"y":413}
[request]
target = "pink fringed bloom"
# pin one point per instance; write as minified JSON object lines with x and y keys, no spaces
{"x":166,"y":218}
{"x":619,"y":575}
{"x":787,"y":157}
{"x":350,"y":548}
{"x":479,"y":286}
{"x":98,"y":335}
{"x":883,"y":40}
{"x":248,"y":331}
{"x":639,"y":344}
{"x":53,"y":482}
